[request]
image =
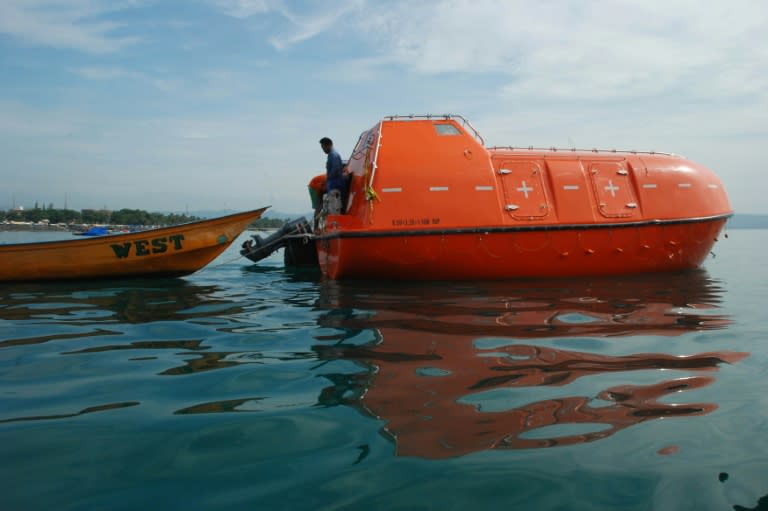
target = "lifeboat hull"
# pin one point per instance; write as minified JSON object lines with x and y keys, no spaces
{"x":555,"y":252}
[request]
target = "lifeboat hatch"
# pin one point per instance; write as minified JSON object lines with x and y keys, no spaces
{"x":613,"y":188}
{"x":524,"y":194}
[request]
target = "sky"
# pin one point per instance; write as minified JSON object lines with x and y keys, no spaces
{"x":179,"y":105}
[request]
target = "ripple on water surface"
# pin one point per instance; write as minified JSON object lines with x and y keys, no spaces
{"x":242,"y":385}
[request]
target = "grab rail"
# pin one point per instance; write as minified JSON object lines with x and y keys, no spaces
{"x":375,"y":162}
{"x":446,"y":117}
{"x":575,"y":150}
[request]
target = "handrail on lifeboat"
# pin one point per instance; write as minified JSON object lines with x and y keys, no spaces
{"x":374,"y":164}
{"x":575,"y":150}
{"x":463,"y":120}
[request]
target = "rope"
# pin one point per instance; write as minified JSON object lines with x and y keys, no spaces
{"x":221,"y":263}
{"x":370,"y":194}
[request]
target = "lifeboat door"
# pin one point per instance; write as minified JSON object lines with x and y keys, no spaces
{"x":613,"y":188}
{"x":524,"y":193}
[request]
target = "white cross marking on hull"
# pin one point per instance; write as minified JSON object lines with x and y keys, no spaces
{"x":612,"y":188}
{"x":525,"y":189}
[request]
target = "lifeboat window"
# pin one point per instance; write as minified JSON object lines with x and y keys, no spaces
{"x":364,"y":142}
{"x":447,"y":129}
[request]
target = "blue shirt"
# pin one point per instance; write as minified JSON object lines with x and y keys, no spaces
{"x":333,"y":169}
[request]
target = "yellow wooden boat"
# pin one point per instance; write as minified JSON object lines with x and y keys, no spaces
{"x":168,"y":252}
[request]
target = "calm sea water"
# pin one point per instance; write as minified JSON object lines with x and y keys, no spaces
{"x":255,"y":387}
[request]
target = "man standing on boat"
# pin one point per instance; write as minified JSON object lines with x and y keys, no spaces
{"x":336,"y":183}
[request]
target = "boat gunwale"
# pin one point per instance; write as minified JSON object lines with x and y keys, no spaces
{"x":518,"y":228}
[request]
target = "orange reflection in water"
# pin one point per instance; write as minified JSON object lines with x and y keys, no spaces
{"x":437,"y":371}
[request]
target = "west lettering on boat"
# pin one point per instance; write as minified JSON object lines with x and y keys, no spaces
{"x":148,"y":246}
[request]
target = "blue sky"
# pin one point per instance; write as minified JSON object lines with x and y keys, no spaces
{"x":169,"y":105}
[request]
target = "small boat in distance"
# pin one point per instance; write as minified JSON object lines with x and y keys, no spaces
{"x":96,"y":230}
{"x":427,"y":200}
{"x":168,"y":252}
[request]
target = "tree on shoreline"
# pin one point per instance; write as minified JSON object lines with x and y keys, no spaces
{"x":123,"y":216}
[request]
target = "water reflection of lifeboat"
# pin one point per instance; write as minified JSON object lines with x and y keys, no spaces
{"x":427,"y":200}
{"x":667,"y":304}
{"x":448,"y":388}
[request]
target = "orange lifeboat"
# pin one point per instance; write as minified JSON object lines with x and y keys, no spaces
{"x":428,"y":200}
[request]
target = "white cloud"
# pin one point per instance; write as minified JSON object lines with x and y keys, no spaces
{"x":447,"y":36}
{"x":306,"y":24}
{"x":118,"y":73}
{"x":19,"y":120}
{"x":304,"y":20}
{"x":105,"y":73}
{"x":70,"y":24}
{"x":582,"y":50}
{"x":244,"y":8}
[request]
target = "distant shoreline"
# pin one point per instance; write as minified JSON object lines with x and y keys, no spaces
{"x":35,"y":228}
{"x":75,"y":228}
{"x":23,"y":227}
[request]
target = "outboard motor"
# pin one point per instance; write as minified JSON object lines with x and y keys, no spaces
{"x":291,"y":233}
